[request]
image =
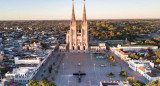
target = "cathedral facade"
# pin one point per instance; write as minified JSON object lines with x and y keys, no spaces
{"x":77,"y":38}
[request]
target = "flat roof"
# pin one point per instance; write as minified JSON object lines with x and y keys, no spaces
{"x":109,"y":83}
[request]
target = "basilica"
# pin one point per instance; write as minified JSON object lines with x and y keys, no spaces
{"x":77,"y":38}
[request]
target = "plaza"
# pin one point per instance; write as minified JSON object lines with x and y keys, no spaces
{"x":92,"y":67}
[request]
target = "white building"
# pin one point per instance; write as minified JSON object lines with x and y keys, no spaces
{"x":21,"y":75}
{"x":120,"y":54}
{"x":145,"y":68}
{"x":151,"y":77}
{"x":63,"y":47}
{"x":136,"y":47}
{"x":114,"y":83}
{"x":27,"y":61}
{"x":136,"y":64}
{"x":101,"y":47}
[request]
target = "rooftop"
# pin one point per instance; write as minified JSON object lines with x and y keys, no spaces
{"x":138,"y":45}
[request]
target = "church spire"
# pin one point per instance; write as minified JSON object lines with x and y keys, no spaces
{"x":84,"y":13}
{"x":73,"y":14}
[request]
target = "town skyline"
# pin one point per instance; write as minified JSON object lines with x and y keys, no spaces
{"x":55,"y":10}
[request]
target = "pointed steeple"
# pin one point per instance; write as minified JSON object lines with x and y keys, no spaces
{"x":84,"y":13}
{"x":73,"y":14}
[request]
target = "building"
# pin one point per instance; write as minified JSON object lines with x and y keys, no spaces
{"x":145,"y":68}
{"x":27,"y":60}
{"x":21,"y":75}
{"x":63,"y":47}
{"x":153,"y":75}
{"x":77,"y":38}
{"x":140,"y":64}
{"x":33,"y":46}
{"x":101,"y":47}
{"x":114,"y":83}
{"x":1,"y":55}
{"x":136,"y":47}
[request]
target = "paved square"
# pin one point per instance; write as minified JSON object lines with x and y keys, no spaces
{"x":92,"y":67}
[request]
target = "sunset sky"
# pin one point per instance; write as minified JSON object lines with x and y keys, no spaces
{"x":61,"y":9}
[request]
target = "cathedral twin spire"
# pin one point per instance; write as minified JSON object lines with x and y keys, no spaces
{"x":73,"y":13}
{"x":84,"y":13}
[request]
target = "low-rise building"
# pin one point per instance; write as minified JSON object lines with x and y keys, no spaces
{"x":22,"y":74}
{"x":101,"y":47}
{"x":63,"y":47}
{"x":137,"y":65}
{"x":136,"y":47}
{"x":27,"y":60}
{"x":152,"y":75}
{"x":114,"y":83}
{"x":122,"y":55}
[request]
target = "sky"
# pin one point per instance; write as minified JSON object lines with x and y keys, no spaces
{"x":61,"y":9}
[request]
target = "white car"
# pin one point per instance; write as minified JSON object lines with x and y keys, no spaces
{"x":103,"y":65}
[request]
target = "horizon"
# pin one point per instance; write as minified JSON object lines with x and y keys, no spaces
{"x":87,"y":19}
{"x":96,"y":10}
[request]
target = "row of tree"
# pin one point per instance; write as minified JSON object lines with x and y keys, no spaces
{"x":121,"y":29}
{"x":43,"y":82}
{"x":134,"y":82}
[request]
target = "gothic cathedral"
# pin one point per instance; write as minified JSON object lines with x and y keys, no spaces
{"x":77,"y":39}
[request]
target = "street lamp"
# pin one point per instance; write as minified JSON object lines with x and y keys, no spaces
{"x":89,"y":83}
{"x":68,"y":82}
{"x":91,"y":56}
{"x":67,"y":55}
{"x":94,"y":66}
{"x":63,"y":67}
{"x":121,"y":68}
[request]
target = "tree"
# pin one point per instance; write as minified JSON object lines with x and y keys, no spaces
{"x":157,"y":53}
{"x":158,"y":60}
{"x":131,"y":80}
{"x":6,"y":59}
{"x":46,"y":83}
{"x":133,"y":56}
{"x":111,"y":74}
{"x":22,"y":43}
{"x":53,"y":63}
{"x":123,"y":73}
{"x":49,"y":68}
{"x":136,"y":84}
{"x":33,"y":83}
{"x":43,"y":44}
{"x":43,"y":82}
{"x":154,"y":83}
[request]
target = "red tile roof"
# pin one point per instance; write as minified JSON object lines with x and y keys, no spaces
{"x":141,"y":68}
{"x":123,"y":53}
{"x":13,"y":84}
